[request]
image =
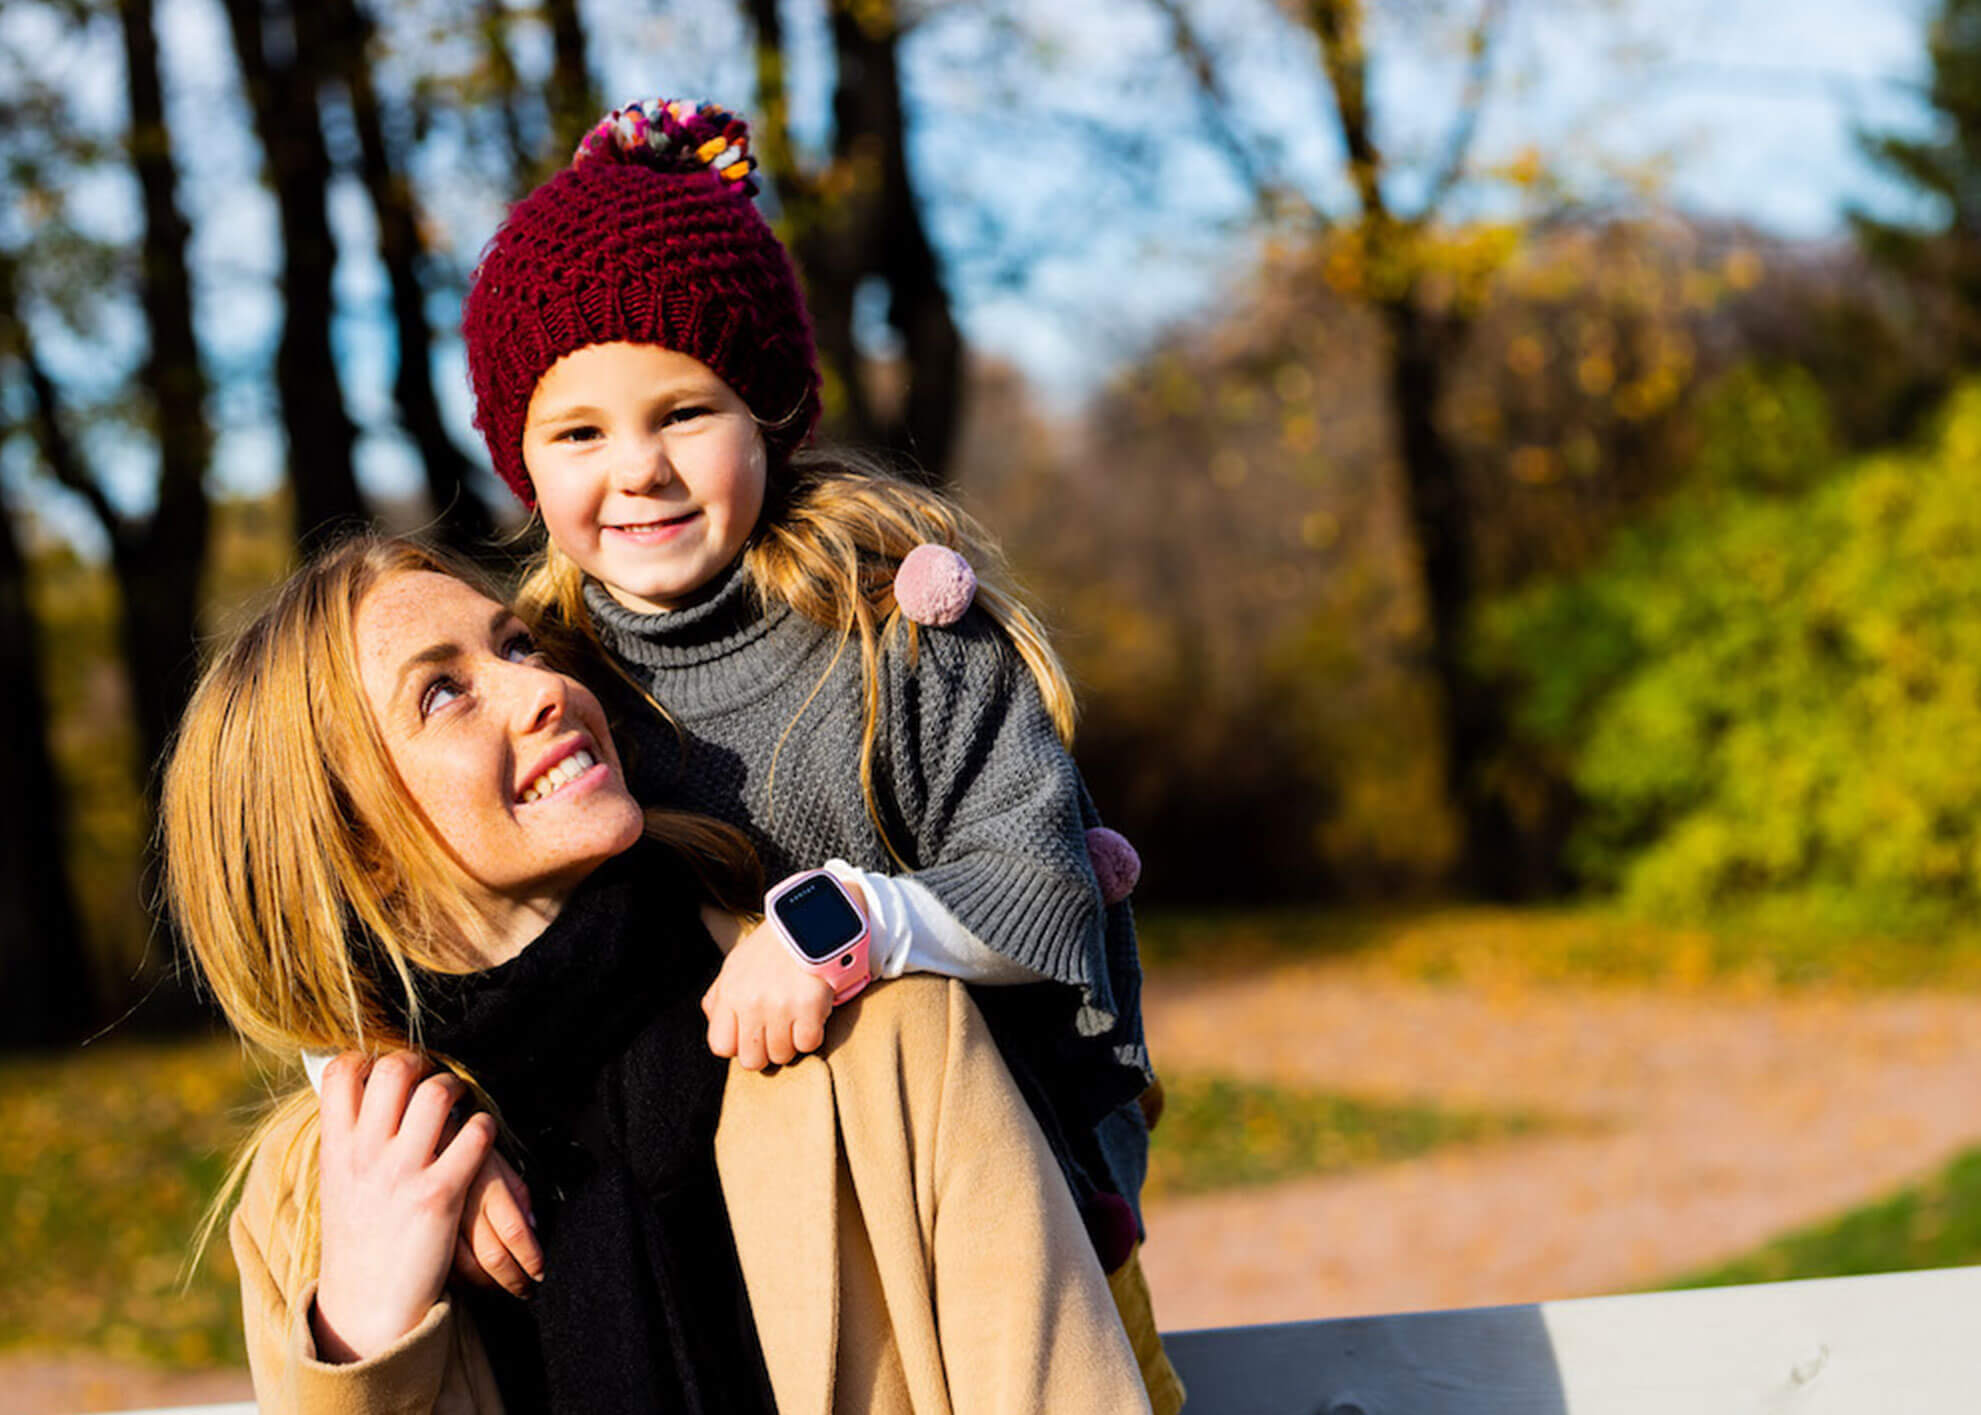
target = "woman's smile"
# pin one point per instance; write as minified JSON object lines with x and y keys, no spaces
{"x":510,"y":762}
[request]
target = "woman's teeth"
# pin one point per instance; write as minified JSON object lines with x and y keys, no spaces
{"x":575,"y":765}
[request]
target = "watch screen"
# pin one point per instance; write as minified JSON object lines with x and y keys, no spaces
{"x":818,"y":918}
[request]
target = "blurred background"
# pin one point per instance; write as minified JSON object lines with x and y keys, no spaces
{"x":1501,"y":473}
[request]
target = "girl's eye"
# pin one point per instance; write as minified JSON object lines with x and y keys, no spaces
{"x":686,"y":413}
{"x":584,"y":432}
{"x":439,"y":693}
{"x":520,"y":648}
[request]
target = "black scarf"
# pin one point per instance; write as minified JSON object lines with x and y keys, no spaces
{"x":592,"y":1043}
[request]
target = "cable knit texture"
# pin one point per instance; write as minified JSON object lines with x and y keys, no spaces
{"x":604,"y":252}
{"x":980,"y":797}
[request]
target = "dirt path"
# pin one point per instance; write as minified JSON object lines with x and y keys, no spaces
{"x":1715,"y":1124}
{"x":1718,"y":1124}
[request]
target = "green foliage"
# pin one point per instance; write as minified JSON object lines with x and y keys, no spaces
{"x":1937,"y":1224}
{"x":107,"y":1160}
{"x":1759,"y":694}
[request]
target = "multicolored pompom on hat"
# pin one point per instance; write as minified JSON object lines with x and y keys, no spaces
{"x":650,"y":236}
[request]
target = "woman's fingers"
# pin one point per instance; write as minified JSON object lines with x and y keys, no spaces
{"x":343,"y":1091}
{"x":424,"y":1123}
{"x":454,"y":1167}
{"x":386,"y":1092}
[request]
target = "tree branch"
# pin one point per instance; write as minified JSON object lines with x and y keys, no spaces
{"x":1218,"y":107}
{"x":51,"y":438}
{"x":1465,"y":126}
{"x":1338,"y":24}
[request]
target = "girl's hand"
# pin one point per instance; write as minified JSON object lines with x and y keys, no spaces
{"x":497,"y":1242}
{"x":763,"y":1006}
{"x":392,"y":1190}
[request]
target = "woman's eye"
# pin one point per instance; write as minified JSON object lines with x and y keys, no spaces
{"x":520,"y":648}
{"x":439,"y":693}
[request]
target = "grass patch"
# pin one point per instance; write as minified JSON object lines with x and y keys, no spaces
{"x":1589,"y":944}
{"x":1217,"y":1133}
{"x":107,"y":1160}
{"x":1936,"y":1224}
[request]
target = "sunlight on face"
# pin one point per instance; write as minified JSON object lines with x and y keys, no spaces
{"x":648,"y":469}
{"x":510,"y":762}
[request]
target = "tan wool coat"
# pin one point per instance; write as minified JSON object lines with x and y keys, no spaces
{"x":907,"y":1241}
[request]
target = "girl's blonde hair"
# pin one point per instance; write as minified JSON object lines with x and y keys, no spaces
{"x":835,"y":528}
{"x":304,"y":879}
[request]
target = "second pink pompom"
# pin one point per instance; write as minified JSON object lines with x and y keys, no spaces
{"x":934,"y":585}
{"x":1116,"y":865}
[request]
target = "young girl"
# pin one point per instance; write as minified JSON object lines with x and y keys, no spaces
{"x":645,"y":378}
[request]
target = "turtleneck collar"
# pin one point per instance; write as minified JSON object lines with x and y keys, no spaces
{"x":726,"y":618}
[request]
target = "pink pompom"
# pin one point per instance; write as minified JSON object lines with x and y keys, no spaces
{"x":1116,"y":865}
{"x":934,"y":585}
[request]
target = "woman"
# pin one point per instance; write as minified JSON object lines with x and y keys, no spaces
{"x":388,"y":822}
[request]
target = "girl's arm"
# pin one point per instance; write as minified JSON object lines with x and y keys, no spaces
{"x":913,"y":933}
{"x":765,"y":1009}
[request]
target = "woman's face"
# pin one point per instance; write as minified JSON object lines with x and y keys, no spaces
{"x":510,"y":763}
{"x":648,"y":469}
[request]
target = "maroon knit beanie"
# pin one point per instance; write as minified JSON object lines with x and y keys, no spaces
{"x":650,"y":236}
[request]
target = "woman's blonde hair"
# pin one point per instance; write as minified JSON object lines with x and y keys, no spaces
{"x":835,"y":528}
{"x":306,"y":882}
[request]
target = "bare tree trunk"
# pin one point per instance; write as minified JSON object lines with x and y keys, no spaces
{"x":463,"y":520}
{"x":574,"y":100}
{"x":159,"y":563}
{"x":281,"y":48}
{"x":506,"y":94}
{"x":45,"y":993}
{"x":1422,"y":348}
{"x":868,"y":116}
{"x":870,"y":227}
{"x":1493,"y":864}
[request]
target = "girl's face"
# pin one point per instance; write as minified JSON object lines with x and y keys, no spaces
{"x":510,"y":763}
{"x":648,"y":468}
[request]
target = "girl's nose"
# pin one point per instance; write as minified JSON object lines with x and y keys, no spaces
{"x":644,"y":465}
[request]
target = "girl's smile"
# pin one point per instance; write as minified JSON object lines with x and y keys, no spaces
{"x":648,"y":469}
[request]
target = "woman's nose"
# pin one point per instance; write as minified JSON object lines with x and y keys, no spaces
{"x":541,"y":699}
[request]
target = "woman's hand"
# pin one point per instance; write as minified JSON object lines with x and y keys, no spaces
{"x":497,"y":1243}
{"x":392,"y":1189}
{"x":763,"y":1006}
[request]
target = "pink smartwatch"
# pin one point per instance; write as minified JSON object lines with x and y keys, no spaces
{"x":819,"y":922}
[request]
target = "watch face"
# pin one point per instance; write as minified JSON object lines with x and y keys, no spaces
{"x":818,"y":917}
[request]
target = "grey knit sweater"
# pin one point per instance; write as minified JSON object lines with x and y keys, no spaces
{"x":980,"y":798}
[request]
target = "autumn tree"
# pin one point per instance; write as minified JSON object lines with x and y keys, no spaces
{"x":283,"y":49}
{"x":1423,"y":272}
{"x":1943,"y":253}
{"x":460,"y":515}
{"x":45,"y":994}
{"x":852,"y":219}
